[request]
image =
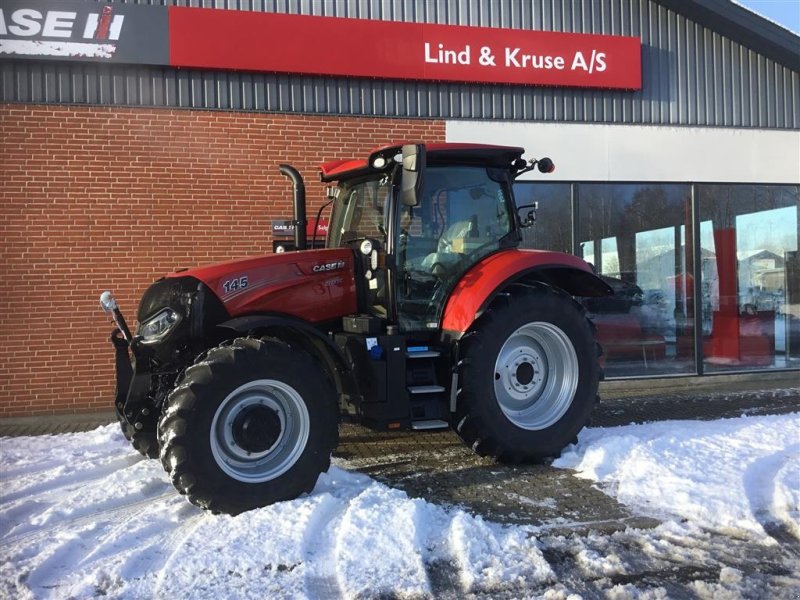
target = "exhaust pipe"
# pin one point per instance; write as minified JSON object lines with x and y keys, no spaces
{"x":299,"y":199}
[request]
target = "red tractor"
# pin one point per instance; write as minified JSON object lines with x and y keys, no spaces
{"x":421,"y":312}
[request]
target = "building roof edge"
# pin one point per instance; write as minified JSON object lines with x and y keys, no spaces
{"x":743,"y":26}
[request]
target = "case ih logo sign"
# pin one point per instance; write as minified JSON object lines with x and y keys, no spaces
{"x":102,"y":28}
{"x":72,"y":29}
{"x":280,"y":43}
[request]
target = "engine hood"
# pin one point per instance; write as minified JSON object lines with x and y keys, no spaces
{"x":314,"y":285}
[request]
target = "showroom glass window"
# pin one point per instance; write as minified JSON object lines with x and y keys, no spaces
{"x":638,"y":237}
{"x":750,"y":286}
{"x":552,"y":229}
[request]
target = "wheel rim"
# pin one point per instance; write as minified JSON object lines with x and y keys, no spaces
{"x":536,"y":375}
{"x":259,"y":431}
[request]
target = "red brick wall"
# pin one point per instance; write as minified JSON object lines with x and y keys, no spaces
{"x":110,"y":198}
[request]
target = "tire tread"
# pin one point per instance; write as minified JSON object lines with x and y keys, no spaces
{"x":186,"y":474}
{"x":484,"y":438}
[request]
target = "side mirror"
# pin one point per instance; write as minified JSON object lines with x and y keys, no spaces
{"x":530,"y":217}
{"x":413,"y":170}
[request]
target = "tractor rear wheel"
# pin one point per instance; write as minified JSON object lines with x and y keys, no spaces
{"x":529,"y":378}
{"x":252,"y":423}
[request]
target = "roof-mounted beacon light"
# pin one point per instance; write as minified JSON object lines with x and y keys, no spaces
{"x":545,"y":165}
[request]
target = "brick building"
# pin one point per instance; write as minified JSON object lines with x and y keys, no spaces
{"x":118,"y":168}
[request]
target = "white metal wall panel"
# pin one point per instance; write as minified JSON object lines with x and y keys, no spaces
{"x":599,"y":152}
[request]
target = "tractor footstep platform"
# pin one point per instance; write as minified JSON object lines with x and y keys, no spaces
{"x":429,"y":424}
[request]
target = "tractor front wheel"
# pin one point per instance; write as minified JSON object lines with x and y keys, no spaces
{"x":529,"y":378}
{"x":252,"y":423}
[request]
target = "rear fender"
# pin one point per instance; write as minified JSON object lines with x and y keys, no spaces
{"x":479,"y":286}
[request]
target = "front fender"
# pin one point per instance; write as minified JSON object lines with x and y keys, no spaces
{"x":284,"y":324}
{"x":296,"y":331}
{"x":490,"y":276}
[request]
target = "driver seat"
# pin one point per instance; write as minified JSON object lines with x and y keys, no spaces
{"x":449,"y":251}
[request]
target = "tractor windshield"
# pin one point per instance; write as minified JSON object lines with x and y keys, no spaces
{"x":359,"y":210}
{"x":463,"y":216}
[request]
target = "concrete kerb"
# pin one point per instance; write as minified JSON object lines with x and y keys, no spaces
{"x":54,"y":424}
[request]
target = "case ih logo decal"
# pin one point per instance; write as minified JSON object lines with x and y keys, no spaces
{"x":72,"y":29}
{"x":280,"y":43}
{"x":101,"y":27}
{"x":331,"y":266}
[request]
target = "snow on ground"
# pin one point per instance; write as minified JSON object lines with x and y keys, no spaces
{"x":83,"y":516}
{"x":733,"y":475}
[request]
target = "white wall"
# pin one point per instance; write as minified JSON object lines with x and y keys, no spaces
{"x":586,"y":152}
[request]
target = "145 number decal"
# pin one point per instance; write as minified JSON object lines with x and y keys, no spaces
{"x":237,"y":283}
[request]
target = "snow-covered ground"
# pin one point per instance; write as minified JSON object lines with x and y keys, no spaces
{"x":735,"y":476}
{"x":83,"y":516}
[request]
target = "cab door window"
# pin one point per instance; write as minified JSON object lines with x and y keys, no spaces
{"x":360,"y":212}
{"x":462,"y":217}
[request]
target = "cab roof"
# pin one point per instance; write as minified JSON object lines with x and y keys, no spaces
{"x":458,"y":153}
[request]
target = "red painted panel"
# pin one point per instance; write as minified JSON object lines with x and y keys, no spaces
{"x":226,"y":39}
{"x":725,"y":333}
{"x":332,"y":169}
{"x":316,"y":285}
{"x":484,"y":278}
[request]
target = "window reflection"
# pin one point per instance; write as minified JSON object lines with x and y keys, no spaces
{"x":639,"y":238}
{"x":553,"y":227}
{"x":750,"y":296}
{"x":636,"y":237}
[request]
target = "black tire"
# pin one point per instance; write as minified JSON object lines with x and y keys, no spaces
{"x":529,"y":378}
{"x":251,"y":423}
{"x":144,"y":442}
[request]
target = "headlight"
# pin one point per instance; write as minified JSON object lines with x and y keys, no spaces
{"x":157,"y":327}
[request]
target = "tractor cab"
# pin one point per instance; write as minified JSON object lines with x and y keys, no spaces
{"x":420,"y":217}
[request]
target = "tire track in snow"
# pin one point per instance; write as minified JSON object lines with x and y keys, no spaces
{"x":144,"y":571}
{"x":89,"y":544}
{"x":186,"y":532}
{"x":71,"y":480}
{"x":319,"y":549}
{"x":136,"y":531}
{"x":48,"y":573}
{"x":30,"y":469}
{"x":443,"y":576}
{"x":380,"y":544}
{"x":136,"y":507}
{"x":760,"y":485}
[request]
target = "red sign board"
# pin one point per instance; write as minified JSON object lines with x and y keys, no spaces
{"x":225,"y":39}
{"x":325,"y":46}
